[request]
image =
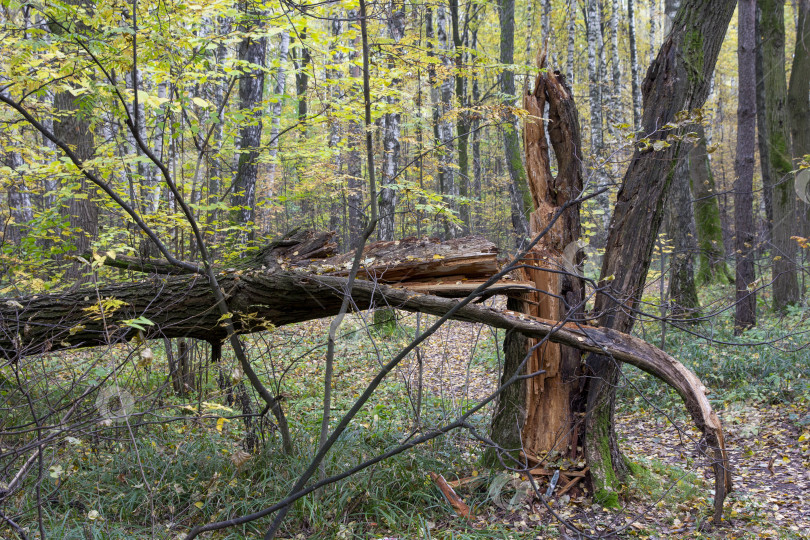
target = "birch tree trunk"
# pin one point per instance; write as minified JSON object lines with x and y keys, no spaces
{"x":447,"y":184}
{"x":391,"y":131}
{"x":354,"y":164}
{"x":745,"y":315}
{"x":636,"y":93}
{"x":276,"y":107}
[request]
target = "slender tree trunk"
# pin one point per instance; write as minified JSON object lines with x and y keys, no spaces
{"x":678,"y":79}
{"x":519,"y":195}
{"x":252,"y":50}
{"x":302,"y":76}
{"x":746,"y":305}
{"x":354,"y":164}
{"x":572,"y":34}
{"x":593,"y":29}
{"x":682,"y":290}
{"x":462,"y":123}
{"x":447,"y":182}
{"x":636,"y":93}
{"x":762,"y":133}
{"x":780,"y":163}
{"x":391,"y":131}
{"x":276,"y":107}
{"x":709,"y":227}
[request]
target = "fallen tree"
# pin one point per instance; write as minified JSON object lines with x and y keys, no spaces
{"x":283,"y":286}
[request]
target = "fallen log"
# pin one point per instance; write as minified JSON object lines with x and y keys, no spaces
{"x":277,"y":295}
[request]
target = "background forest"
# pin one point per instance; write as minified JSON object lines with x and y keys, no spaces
{"x":203,"y":136}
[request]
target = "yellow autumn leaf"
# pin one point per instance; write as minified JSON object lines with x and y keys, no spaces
{"x":199,"y":504}
{"x":220,"y":423}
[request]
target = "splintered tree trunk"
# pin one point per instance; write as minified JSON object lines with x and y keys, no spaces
{"x":551,"y":399}
{"x":678,"y":79}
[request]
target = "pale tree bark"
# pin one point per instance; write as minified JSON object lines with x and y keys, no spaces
{"x":653,"y":15}
{"x":252,"y":51}
{"x":20,"y":208}
{"x":780,"y":162}
{"x":275,"y":109}
{"x":745,"y":315}
{"x":463,"y":118}
{"x":615,"y":108}
{"x":338,"y":204}
{"x":391,"y":130}
{"x":678,"y":79}
{"x":572,"y":35}
{"x":519,"y":196}
{"x":593,"y":30}
{"x":635,"y":91}
{"x":448,"y":186}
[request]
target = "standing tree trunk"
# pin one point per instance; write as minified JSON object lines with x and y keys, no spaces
{"x":762,"y":134}
{"x":462,"y":123}
{"x":276,"y":108}
{"x":519,"y":195}
{"x":572,"y":35}
{"x":746,"y":307}
{"x":799,"y":104}
{"x":391,"y":146}
{"x":593,"y":29}
{"x":251,"y":87}
{"x":682,"y":290}
{"x":713,"y":266}
{"x":354,"y":163}
{"x":780,"y":162}
{"x":447,"y":184}
{"x":552,"y":399}
{"x":636,"y":94}
{"x":678,"y":79}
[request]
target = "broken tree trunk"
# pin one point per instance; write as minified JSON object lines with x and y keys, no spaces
{"x":553,"y":396}
{"x":283,"y":284}
{"x":284,"y":290}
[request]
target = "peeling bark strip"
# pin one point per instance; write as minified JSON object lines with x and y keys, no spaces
{"x":184,"y":306}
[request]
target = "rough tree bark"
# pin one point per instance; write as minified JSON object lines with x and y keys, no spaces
{"x":519,"y":196}
{"x":799,"y":104}
{"x":679,"y":79}
{"x":635,"y":92}
{"x":746,"y":306}
{"x":780,"y":159}
{"x":252,"y":51}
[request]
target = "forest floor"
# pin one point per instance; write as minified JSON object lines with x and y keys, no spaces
{"x":769,"y":444}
